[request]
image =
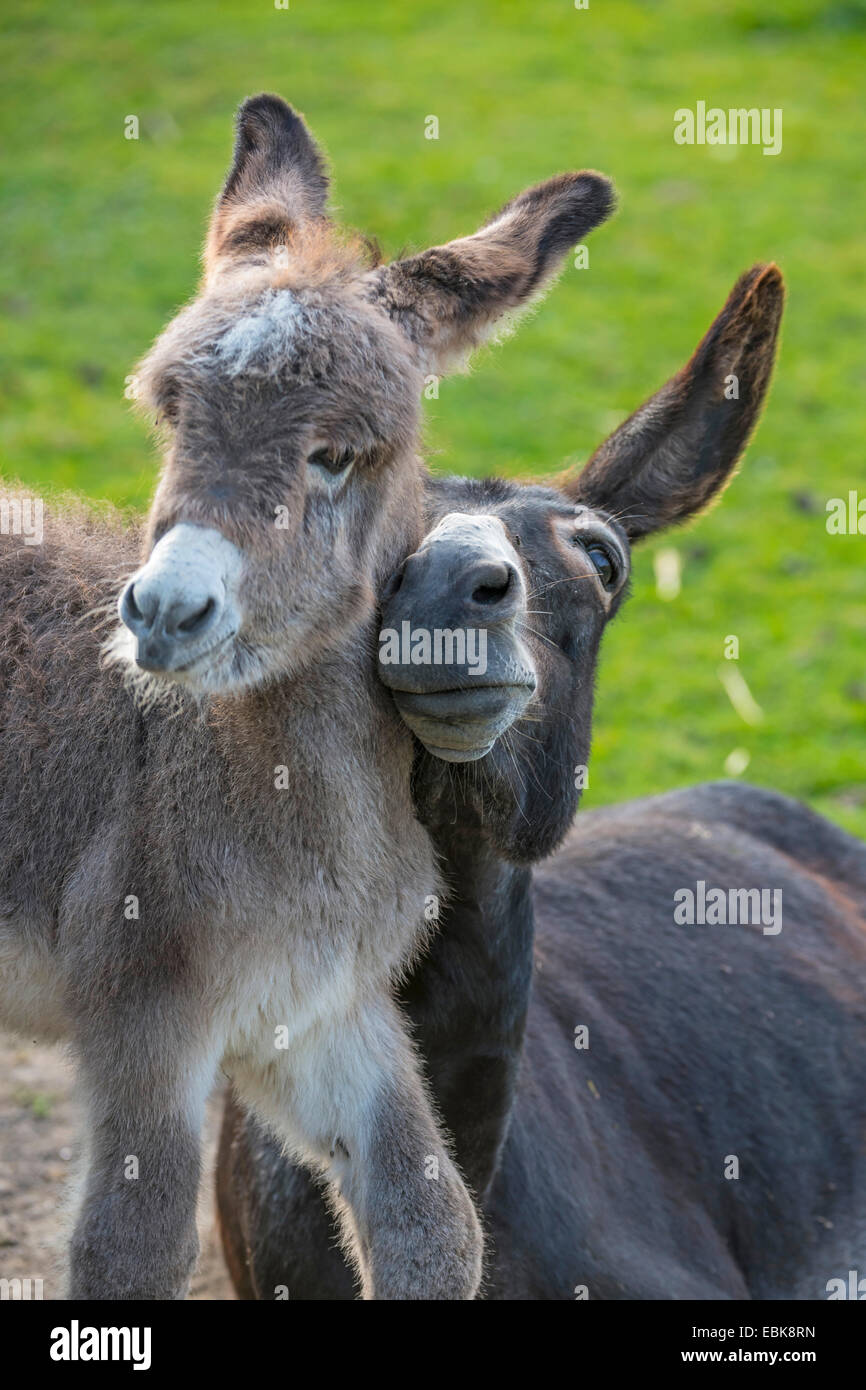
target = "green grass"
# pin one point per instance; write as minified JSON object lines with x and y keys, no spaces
{"x":101,"y":238}
{"x":39,"y":1103}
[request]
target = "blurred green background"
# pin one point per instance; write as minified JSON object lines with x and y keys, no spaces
{"x":101,"y":236}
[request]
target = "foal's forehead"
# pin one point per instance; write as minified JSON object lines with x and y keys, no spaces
{"x":271,"y":330}
{"x":256,"y":328}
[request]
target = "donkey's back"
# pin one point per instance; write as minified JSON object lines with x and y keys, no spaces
{"x":723,"y":1071}
{"x":66,"y":725}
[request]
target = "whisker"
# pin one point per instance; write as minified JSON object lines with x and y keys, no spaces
{"x":524,"y":627}
{"x":515,"y":729}
{"x":568,"y":579}
{"x":513,"y":760}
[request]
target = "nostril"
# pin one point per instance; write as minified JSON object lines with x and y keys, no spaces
{"x":490,"y":593}
{"x":192,"y":624}
{"x":492,"y":584}
{"x":130,"y":604}
{"x":130,"y":613}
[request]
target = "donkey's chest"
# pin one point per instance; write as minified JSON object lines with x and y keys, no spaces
{"x":326,"y":917}
{"x":340,"y":867}
{"x":313,"y":956}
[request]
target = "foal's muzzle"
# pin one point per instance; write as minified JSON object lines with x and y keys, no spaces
{"x":180,"y":606}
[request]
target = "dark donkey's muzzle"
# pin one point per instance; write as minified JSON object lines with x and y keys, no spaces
{"x":449,"y":647}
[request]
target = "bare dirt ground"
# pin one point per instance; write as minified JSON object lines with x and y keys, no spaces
{"x":39,"y":1148}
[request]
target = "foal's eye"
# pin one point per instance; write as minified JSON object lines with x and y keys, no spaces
{"x":331,"y":460}
{"x":605,"y":565}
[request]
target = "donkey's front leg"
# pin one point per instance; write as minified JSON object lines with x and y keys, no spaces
{"x":146,"y":1087}
{"x":405,"y":1210}
{"x":358,"y":1111}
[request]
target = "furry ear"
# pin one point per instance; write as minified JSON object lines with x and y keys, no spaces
{"x":277,"y":182}
{"x":677,"y":452}
{"x":448,"y":300}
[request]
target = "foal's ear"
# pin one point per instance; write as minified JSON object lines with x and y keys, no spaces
{"x":447,"y":300}
{"x":277,"y":181}
{"x":669,"y":459}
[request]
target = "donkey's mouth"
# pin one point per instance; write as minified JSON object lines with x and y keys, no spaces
{"x":158,"y":666}
{"x":462,"y":725}
{"x":190,"y":666}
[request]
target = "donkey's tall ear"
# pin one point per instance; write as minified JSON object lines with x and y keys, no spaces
{"x":669,"y":459}
{"x":447,"y":300}
{"x":276,"y":183}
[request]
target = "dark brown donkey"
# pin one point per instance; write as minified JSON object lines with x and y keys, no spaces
{"x":646,"y":1108}
{"x":231,"y":876}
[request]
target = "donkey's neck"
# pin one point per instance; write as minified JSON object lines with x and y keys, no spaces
{"x":319,"y":768}
{"x":470,"y":1001}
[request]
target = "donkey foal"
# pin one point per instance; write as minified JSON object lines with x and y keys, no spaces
{"x":234,"y":876}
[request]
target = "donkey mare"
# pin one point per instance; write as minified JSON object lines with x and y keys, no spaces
{"x":208,"y":852}
{"x":603,"y":1169}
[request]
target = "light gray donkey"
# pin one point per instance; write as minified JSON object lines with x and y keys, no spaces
{"x":234,"y":876}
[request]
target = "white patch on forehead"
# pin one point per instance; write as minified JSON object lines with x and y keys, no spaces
{"x":484,"y":532}
{"x":266,"y":336}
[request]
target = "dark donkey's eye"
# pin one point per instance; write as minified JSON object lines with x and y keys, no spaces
{"x":605,"y":564}
{"x":333,"y":461}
